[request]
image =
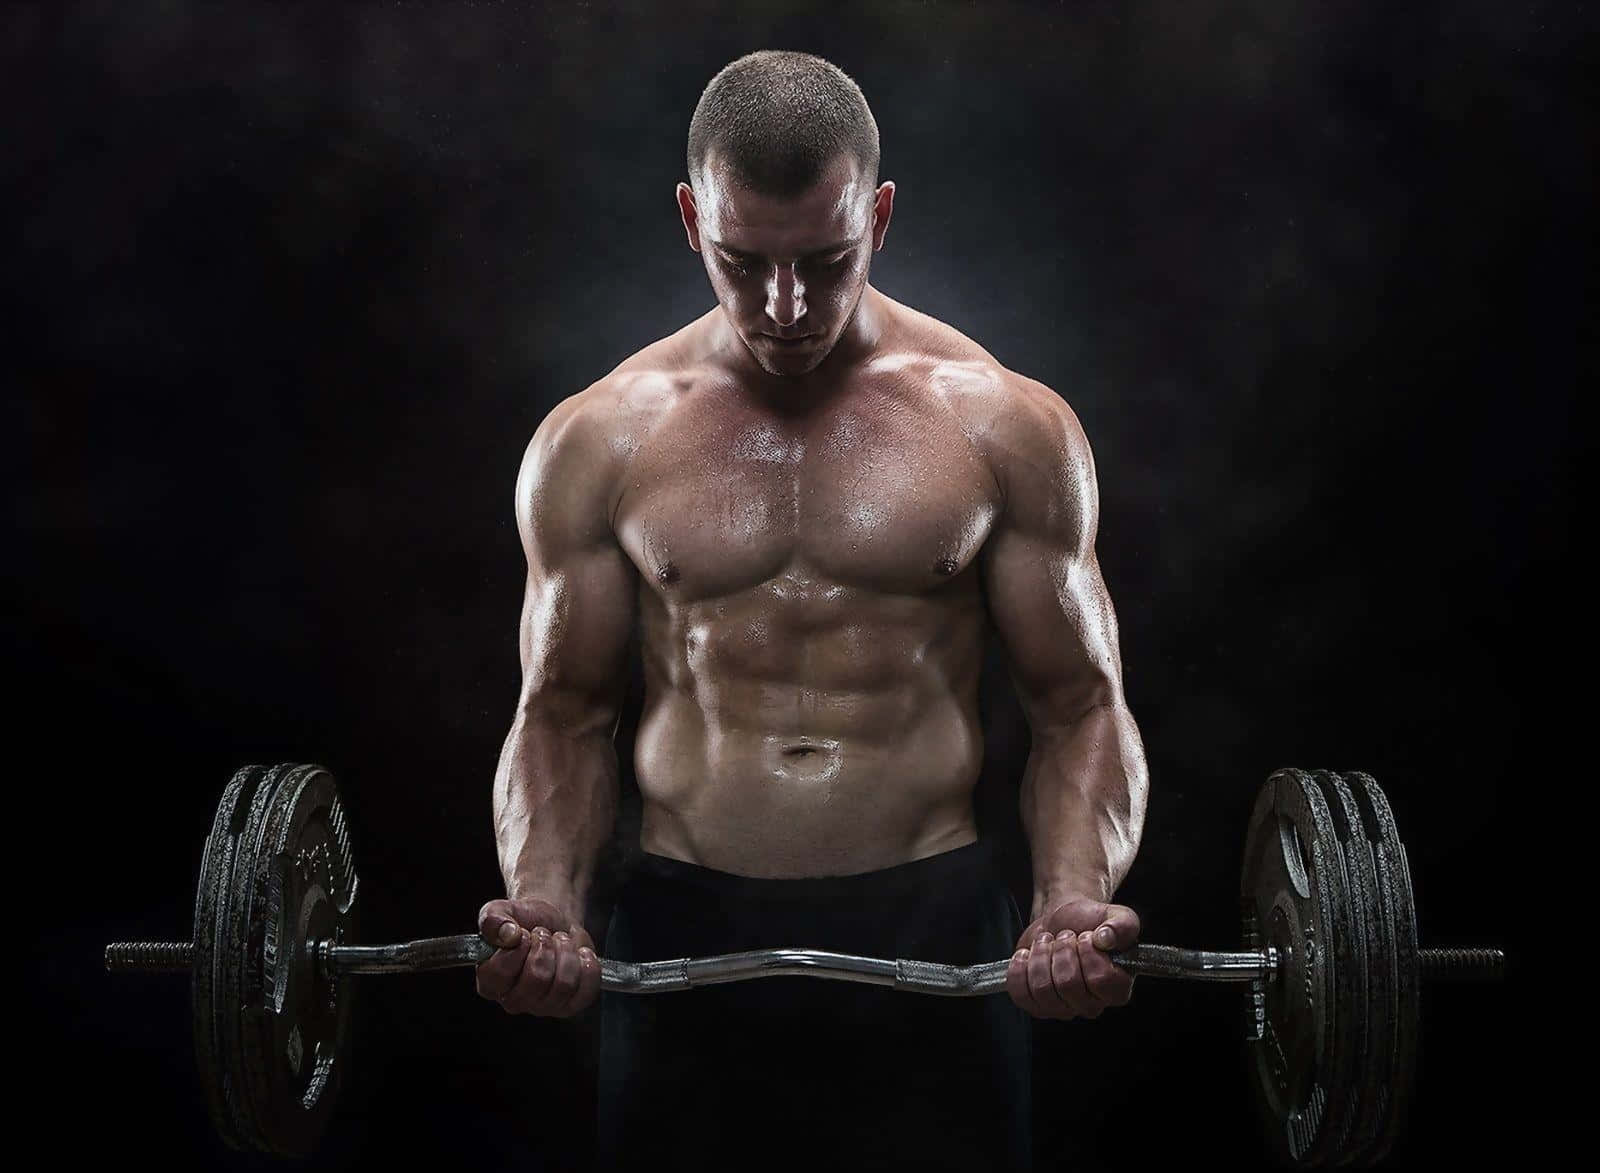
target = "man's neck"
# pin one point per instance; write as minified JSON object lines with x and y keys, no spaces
{"x":861,"y":338}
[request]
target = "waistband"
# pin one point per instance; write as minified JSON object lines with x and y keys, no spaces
{"x":975,"y":859}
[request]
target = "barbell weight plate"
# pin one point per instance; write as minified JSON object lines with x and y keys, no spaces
{"x":216,"y":865}
{"x":263,"y":944}
{"x":1362,"y":1022}
{"x":1292,"y":886}
{"x":1398,"y":910}
{"x":1347,"y":960}
{"x":294,"y":1027}
{"x":210,"y":910}
{"x":240,"y":968}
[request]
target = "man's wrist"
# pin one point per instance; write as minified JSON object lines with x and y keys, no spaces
{"x":560,"y":896}
{"x":1046,"y":899}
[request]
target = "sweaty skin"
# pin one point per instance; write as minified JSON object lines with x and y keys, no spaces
{"x":812,"y":544}
{"x":810,"y":607}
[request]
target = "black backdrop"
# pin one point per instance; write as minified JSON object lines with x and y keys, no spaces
{"x":296,"y":284}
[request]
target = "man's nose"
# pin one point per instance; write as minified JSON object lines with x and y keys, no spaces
{"x":786,"y":296}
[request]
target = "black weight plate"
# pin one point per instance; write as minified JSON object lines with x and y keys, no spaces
{"x":1400,"y":934}
{"x":263,"y":940}
{"x":296,"y":1028}
{"x":211,"y":906}
{"x":240,"y":971}
{"x":1292,"y":887}
{"x":1363,"y":1022}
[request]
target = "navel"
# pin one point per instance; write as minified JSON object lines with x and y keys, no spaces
{"x":667,"y":573}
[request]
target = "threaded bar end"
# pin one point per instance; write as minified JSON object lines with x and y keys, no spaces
{"x":150,"y":957}
{"x":1462,"y":965}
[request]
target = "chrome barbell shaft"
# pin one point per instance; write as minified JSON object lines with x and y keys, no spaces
{"x":648,"y":977}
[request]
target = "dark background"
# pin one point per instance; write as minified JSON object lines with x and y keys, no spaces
{"x":294,"y":285}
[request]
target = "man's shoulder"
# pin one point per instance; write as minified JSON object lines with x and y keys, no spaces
{"x":626,"y":398}
{"x":1011,"y":417}
{"x":587,"y":439}
{"x":1023,"y":429}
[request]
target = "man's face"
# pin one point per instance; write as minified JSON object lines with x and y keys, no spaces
{"x":787,"y":272}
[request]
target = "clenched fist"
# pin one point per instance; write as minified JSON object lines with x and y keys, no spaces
{"x":1060,"y":968}
{"x":546,"y":962}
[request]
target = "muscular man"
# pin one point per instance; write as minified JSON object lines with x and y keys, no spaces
{"x":814,"y":502}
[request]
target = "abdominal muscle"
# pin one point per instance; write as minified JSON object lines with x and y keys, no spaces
{"x":860,"y":755}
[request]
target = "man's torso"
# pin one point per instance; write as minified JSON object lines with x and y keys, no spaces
{"x":810,"y":608}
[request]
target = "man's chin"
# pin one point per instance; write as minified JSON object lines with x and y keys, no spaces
{"x":786,"y":363}
{"x":790,"y":370}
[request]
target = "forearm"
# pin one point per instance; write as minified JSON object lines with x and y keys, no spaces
{"x":1083,"y":802}
{"x":555,"y":804}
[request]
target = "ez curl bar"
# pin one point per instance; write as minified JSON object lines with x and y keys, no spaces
{"x":1331,"y":964}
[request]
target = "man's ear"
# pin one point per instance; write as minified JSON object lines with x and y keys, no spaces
{"x":691,"y":215}
{"x":882,"y":209}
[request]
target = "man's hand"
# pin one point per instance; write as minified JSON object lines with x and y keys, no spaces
{"x":546,"y":962}
{"x":1060,"y":968}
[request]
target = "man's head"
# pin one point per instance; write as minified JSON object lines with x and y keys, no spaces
{"x":784,"y":203}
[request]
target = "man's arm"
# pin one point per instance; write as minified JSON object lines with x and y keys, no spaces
{"x":556,"y":790}
{"x":1085,"y":783}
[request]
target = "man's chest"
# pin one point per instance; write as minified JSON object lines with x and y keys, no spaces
{"x":876,"y":492}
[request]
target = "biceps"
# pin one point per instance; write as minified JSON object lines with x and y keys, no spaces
{"x":1055,"y":619}
{"x":577,"y":619}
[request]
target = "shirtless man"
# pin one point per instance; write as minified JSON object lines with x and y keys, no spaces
{"x":814,"y":502}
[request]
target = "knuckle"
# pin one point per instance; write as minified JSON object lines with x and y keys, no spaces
{"x":495,"y":972}
{"x":492,"y":973}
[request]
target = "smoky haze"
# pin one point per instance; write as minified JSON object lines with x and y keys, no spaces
{"x":291,"y":287}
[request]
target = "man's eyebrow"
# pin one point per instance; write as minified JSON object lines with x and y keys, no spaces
{"x":837,"y":246}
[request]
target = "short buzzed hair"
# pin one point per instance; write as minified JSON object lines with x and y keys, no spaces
{"x":778,"y":118}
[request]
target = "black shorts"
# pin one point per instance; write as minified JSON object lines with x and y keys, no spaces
{"x":807,"y":1073}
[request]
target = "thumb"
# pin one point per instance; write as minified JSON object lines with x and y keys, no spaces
{"x":500,"y":924}
{"x":534,"y":913}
